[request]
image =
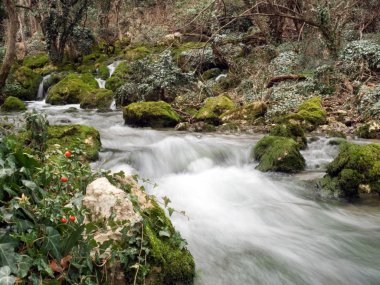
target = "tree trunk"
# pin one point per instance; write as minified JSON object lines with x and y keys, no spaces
{"x":12,"y":27}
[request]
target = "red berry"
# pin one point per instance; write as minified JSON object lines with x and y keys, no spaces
{"x":64,"y":179}
{"x":67,"y":154}
{"x":72,"y":218}
{"x":63,"y":220}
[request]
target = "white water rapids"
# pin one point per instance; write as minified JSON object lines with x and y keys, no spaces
{"x":244,"y":227}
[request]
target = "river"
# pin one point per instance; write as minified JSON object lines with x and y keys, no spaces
{"x":243,"y":226}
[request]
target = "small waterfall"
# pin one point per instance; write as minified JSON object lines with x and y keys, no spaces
{"x":113,"y":105}
{"x":101,"y":83}
{"x":41,"y":90}
{"x":113,"y":66}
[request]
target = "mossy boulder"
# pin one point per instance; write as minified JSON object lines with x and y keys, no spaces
{"x":70,"y":137}
{"x":13,"y":104}
{"x":135,"y":53}
{"x":119,"y":77}
{"x":36,"y":61}
{"x":174,"y":263}
{"x":248,"y":113}
{"x":292,"y":131}
{"x":370,"y":130}
{"x":354,"y":172}
{"x":150,"y":114}
{"x":310,"y":114}
{"x":213,"y":108}
{"x":71,"y":90}
{"x":23,"y":84}
{"x":97,"y":99}
{"x":279,"y":154}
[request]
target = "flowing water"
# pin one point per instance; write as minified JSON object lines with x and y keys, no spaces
{"x":41,"y":88}
{"x":243,"y":226}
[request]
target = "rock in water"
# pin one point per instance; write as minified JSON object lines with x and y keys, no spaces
{"x":278,"y":154}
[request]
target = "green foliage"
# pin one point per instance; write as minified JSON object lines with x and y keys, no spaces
{"x":12,"y":104}
{"x":278,"y":154}
{"x":355,"y":171}
{"x":81,"y":41}
{"x":213,"y":108}
{"x":369,"y":104}
{"x":150,"y":114}
{"x":37,"y":130}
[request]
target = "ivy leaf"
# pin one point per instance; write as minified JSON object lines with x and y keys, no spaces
{"x":166,"y":201}
{"x":8,"y":256}
{"x":171,"y":211}
{"x":7,"y":280}
{"x":24,"y":263}
{"x":164,"y":234}
{"x":73,"y":239}
{"x":52,"y":242}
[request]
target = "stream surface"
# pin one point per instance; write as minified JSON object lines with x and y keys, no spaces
{"x":243,"y":226}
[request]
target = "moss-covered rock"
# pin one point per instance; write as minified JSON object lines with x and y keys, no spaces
{"x":97,"y":99}
{"x":119,"y":77}
{"x":248,"y":113}
{"x":71,"y":90}
{"x":213,"y":108}
{"x":355,"y":171}
{"x":310,"y":114}
{"x":293,"y":131}
{"x":136,"y":53}
{"x":370,"y":130}
{"x":70,"y":137}
{"x":23,"y":84}
{"x":150,"y":114}
{"x":36,"y":61}
{"x":278,"y":154}
{"x":174,"y":263}
{"x":13,"y":104}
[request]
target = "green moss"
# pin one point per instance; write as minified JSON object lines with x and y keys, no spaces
{"x":356,"y":167}
{"x":136,"y":53}
{"x":23,"y":84}
{"x":278,"y":154}
{"x":97,"y":99}
{"x":36,"y":61}
{"x":103,"y":72}
{"x":249,"y":112}
{"x":293,"y":131}
{"x":174,"y":264}
{"x":310,"y":114}
{"x":119,"y":77}
{"x":70,"y":137}
{"x":150,"y":114}
{"x":213,"y":108}
{"x":71,"y":89}
{"x":12,"y":104}
{"x":94,"y":58}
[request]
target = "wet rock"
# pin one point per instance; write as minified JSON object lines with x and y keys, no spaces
{"x":355,"y":172}
{"x":199,"y":127}
{"x":97,"y":99}
{"x":12,"y":104}
{"x":150,"y":114}
{"x":278,"y":154}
